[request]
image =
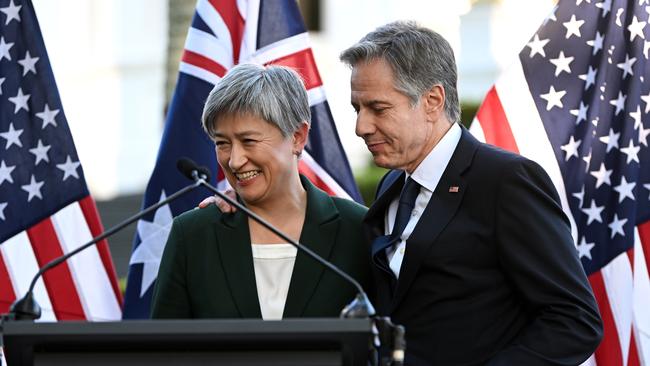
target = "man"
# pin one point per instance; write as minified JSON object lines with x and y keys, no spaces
{"x":481,"y":267}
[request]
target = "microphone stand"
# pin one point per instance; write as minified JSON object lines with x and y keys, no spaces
{"x":387,"y":333}
{"x":360,"y":307}
{"x":27,"y":308}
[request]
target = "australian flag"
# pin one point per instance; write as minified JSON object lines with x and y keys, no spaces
{"x":224,"y":33}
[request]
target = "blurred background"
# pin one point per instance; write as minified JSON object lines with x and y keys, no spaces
{"x":116,"y":64}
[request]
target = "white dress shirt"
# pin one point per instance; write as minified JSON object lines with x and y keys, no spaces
{"x":427,"y":174}
{"x":273,"y":265}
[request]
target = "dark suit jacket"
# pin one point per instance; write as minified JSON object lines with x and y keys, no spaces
{"x":490,"y":274}
{"x":207,"y":267}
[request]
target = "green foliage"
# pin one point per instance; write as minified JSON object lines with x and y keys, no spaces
{"x":367,"y":180}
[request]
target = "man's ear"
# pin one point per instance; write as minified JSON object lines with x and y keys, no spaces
{"x":300,"y":137}
{"x":434,"y":100}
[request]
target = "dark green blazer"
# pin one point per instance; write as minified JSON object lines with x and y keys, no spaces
{"x":207,"y":266}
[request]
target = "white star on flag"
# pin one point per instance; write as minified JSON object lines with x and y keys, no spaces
{"x":3,"y":205}
{"x":553,"y":98}
{"x":573,"y":27}
{"x":647,"y":186}
{"x":617,"y":226}
{"x":636,"y":116}
{"x":636,"y":28}
{"x":537,"y":46}
{"x":626,"y":66}
{"x":154,"y":236}
{"x":571,"y":148}
{"x":33,"y":189}
{"x":580,"y":196}
{"x":611,"y":140}
{"x":625,"y":190}
{"x":589,"y":77}
{"x":632,"y":152}
{"x":593,"y":212}
{"x":562,"y":63}
{"x":619,"y":102}
{"x":643,"y":136}
{"x":12,"y":12}
{"x":602,"y":175}
{"x":2,"y":81}
{"x":584,"y":248}
{"x":606,"y":6}
{"x":28,"y":63}
{"x":4,"y":49}
{"x":580,"y":113}
{"x":646,"y":99}
{"x":5,"y":172}
{"x":48,"y":116}
{"x":69,"y":168}
{"x":20,"y":100}
{"x":12,"y":136}
{"x":596,"y":43}
{"x":40,"y":152}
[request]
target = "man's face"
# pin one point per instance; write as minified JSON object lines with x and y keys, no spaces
{"x":398,"y":136}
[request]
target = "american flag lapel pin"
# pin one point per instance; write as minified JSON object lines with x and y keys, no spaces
{"x":453,"y":189}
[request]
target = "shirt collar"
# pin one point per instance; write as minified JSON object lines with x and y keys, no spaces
{"x":430,"y":170}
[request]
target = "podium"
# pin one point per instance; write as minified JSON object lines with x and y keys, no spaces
{"x":190,"y":342}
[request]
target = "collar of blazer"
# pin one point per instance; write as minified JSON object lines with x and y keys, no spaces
{"x":318,"y":234}
{"x":444,"y":203}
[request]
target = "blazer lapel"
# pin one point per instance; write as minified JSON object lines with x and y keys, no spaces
{"x":236,"y":255}
{"x":441,"y":208}
{"x":318,"y":234}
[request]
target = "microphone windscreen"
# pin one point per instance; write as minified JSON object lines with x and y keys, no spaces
{"x":187,"y":166}
{"x":203,"y":170}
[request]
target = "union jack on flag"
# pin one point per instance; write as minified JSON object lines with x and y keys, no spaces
{"x":45,"y":208}
{"x":224,"y":33}
{"x":577,"y":102}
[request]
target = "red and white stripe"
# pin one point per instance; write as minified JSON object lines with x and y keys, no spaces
{"x":83,"y":288}
{"x":508,"y":118}
{"x":235,"y":25}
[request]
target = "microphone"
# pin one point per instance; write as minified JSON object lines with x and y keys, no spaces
{"x":27,"y":308}
{"x":360,"y":307}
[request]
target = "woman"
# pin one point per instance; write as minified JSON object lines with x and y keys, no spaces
{"x":224,"y":265}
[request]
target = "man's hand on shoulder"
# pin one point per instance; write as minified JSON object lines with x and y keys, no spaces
{"x":222,"y":205}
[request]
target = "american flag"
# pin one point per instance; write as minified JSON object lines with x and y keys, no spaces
{"x":224,"y":33}
{"x":577,"y":102}
{"x":45,"y":208}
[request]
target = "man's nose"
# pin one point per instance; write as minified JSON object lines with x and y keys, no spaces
{"x":364,"y":125}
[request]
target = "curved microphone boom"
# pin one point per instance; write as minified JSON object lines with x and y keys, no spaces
{"x":27,"y":308}
{"x":360,"y":307}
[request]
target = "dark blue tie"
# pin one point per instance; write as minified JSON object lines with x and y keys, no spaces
{"x":405,"y":206}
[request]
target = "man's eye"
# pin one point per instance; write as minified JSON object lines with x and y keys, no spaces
{"x":221,"y":143}
{"x":249,"y":141}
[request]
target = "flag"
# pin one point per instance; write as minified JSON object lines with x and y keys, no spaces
{"x":577,"y":102}
{"x":45,"y":208}
{"x":224,"y":33}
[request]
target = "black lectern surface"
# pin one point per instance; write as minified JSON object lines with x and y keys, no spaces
{"x":189,"y":342}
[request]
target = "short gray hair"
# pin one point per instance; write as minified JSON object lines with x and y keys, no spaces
{"x":274,"y":93}
{"x":419,"y":57}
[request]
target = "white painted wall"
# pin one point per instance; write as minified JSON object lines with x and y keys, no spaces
{"x":108,"y":59}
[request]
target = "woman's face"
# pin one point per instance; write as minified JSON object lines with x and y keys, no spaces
{"x":255,"y":158}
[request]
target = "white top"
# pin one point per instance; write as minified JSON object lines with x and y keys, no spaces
{"x":427,"y":174}
{"x":273,"y":267}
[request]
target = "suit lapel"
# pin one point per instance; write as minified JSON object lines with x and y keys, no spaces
{"x":441,"y":208}
{"x":389,"y":188}
{"x":318,"y":234}
{"x":233,"y":242}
